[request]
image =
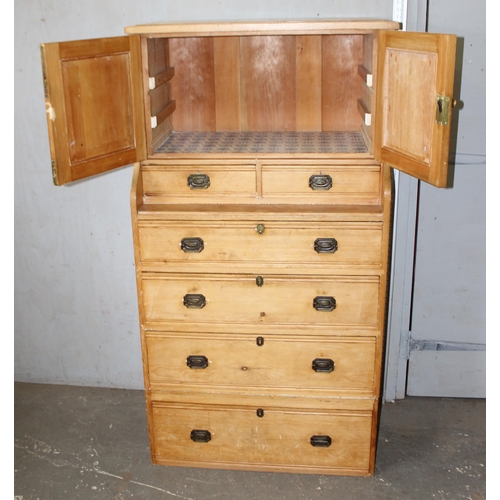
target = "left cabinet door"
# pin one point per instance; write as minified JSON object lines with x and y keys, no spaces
{"x":95,"y":106}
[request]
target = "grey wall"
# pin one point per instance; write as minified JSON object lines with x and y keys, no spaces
{"x":76,"y":318}
{"x":450,"y":262}
{"x":436,"y":331}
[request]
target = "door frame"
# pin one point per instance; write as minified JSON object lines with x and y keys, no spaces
{"x":413,"y":15}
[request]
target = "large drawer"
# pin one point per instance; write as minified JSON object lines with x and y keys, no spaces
{"x":334,"y":364}
{"x":306,"y":243}
{"x":349,"y":301}
{"x":239,"y":437}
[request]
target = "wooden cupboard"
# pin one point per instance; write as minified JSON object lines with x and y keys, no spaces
{"x":261,"y":210}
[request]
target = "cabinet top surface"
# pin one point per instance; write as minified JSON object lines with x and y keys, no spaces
{"x":261,"y":27}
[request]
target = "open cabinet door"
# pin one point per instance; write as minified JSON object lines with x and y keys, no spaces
{"x":94,"y":104}
{"x":414,"y":103}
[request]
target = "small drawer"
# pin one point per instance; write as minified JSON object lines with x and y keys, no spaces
{"x":261,"y":299}
{"x":330,"y":442}
{"x":335,"y":184}
{"x":198,"y":182}
{"x":263,"y":361}
{"x":304,"y":244}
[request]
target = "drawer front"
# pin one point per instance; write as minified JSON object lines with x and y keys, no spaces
{"x":249,"y":436}
{"x":304,"y":243}
{"x":262,"y":299}
{"x":199,"y":183}
{"x":262,"y":361}
{"x":322,"y":184}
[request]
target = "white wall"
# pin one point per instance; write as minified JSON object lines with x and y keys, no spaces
{"x":76,"y":319}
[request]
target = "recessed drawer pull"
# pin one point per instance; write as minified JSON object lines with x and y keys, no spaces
{"x":322,"y":182}
{"x":201,"y":436}
{"x":323,"y":365}
{"x":197,"y":362}
{"x":326,"y":245}
{"x":321,"y":441}
{"x":198,"y":181}
{"x":324,"y":304}
{"x":194,"y":301}
{"x":192,"y":245}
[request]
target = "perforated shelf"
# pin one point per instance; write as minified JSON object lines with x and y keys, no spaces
{"x":264,"y":142}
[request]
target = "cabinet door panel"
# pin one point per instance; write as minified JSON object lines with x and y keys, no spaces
{"x":414,"y":101}
{"x":94,"y":105}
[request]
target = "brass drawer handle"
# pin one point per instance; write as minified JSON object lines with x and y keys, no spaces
{"x":322,"y":182}
{"x":201,"y":436}
{"x":259,"y":281}
{"x":195,"y":301}
{"x":324,"y":304}
{"x":259,"y":341}
{"x":197,"y":362}
{"x":260,"y":412}
{"x":321,"y":441}
{"x":326,"y":245}
{"x":198,"y":181}
{"x":323,"y":365}
{"x":192,"y":245}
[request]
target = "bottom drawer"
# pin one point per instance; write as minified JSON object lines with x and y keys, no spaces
{"x":263,"y":439}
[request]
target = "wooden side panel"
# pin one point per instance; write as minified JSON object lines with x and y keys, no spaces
{"x":227,"y":83}
{"x":193,"y":86}
{"x":268,"y":83}
{"x":160,"y":103}
{"x":94,"y":105}
{"x":158,"y":55}
{"x":341,"y":83}
{"x":368,"y":62}
{"x":309,"y":83}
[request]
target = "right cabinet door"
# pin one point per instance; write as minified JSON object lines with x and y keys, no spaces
{"x":415,"y":75}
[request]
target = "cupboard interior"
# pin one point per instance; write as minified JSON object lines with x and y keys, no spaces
{"x":265,"y":94}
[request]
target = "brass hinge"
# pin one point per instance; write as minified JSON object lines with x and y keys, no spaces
{"x":442,"y":110}
{"x":44,"y":72}
{"x":54,"y":172}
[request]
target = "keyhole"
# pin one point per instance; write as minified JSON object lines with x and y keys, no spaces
{"x":440,"y":105}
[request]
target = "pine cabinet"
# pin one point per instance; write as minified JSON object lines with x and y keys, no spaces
{"x":261,"y":209}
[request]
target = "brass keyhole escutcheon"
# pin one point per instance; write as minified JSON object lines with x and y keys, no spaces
{"x":443,"y":105}
{"x":260,"y":228}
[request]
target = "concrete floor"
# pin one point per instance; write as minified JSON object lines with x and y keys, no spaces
{"x":85,"y":443}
